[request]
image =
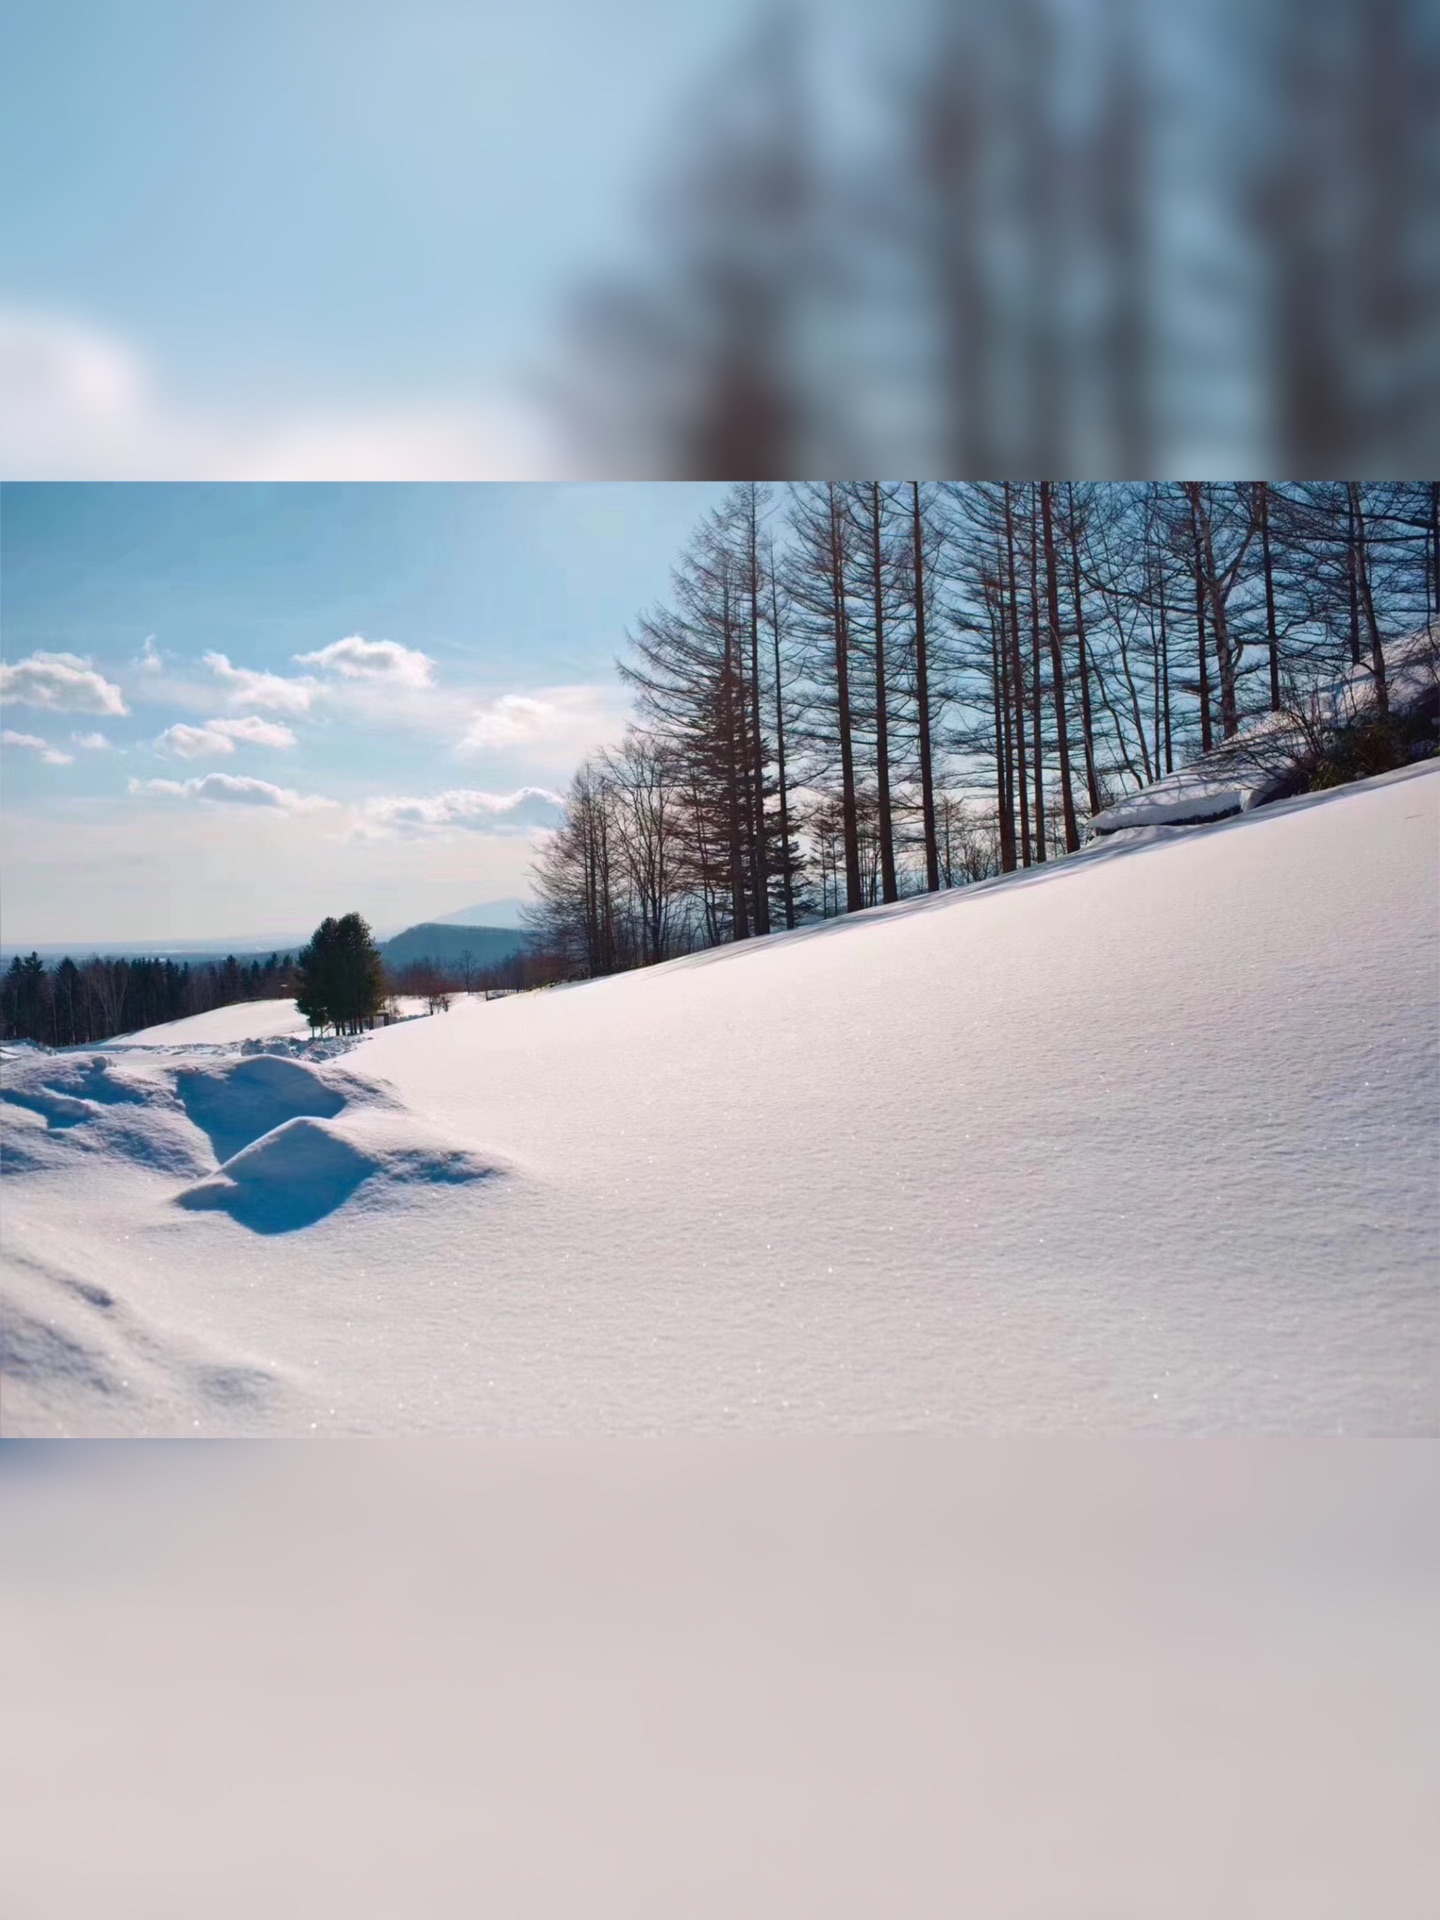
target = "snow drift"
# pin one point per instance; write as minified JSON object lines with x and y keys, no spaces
{"x":1265,"y":760}
{"x":1142,"y":1141}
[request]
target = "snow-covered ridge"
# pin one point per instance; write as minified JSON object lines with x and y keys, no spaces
{"x":1260,"y":762}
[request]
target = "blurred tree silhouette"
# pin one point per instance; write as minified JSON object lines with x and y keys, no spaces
{"x":1097,"y":237}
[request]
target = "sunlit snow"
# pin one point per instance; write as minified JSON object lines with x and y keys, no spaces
{"x":1142,"y":1141}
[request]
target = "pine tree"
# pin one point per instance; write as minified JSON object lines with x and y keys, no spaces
{"x":341,"y":975}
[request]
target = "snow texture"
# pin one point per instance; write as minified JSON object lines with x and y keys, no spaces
{"x":1142,"y":1141}
{"x":249,"y":1020}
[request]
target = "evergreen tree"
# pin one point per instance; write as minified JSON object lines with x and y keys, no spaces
{"x":342,"y":977}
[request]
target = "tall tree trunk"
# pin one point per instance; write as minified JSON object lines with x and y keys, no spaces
{"x":1367,"y":599}
{"x":1038,"y":747}
{"x":1057,"y":667}
{"x":735,"y":758}
{"x":1087,"y":719}
{"x":787,"y":876}
{"x":1018,"y":677}
{"x":744,"y":784}
{"x":760,"y":878}
{"x":1207,"y":738}
{"x":1004,"y":815}
{"x":922,"y":696}
{"x":1165,"y":674}
{"x":854,"y":898}
{"x":1272,"y":630}
{"x":1352,"y":576}
{"x":1224,"y":658}
{"x":888,"y":889}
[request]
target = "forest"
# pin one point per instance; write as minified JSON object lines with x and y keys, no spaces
{"x":74,"y":1003}
{"x":861,"y":690}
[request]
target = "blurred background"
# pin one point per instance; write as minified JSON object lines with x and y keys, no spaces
{"x":831,"y":1678}
{"x":961,"y":238}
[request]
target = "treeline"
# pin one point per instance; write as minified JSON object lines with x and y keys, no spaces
{"x":860,"y":690}
{"x":65,"y":1003}
{"x":73,"y":1003}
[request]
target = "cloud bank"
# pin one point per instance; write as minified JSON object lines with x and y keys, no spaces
{"x":465,"y":810}
{"x":61,"y":682}
{"x":573,"y":719}
{"x":356,"y":658}
{"x":230,"y":789}
{"x":32,"y":743}
{"x":79,"y":402}
{"x":254,"y":687}
{"x":222,"y":736}
{"x":458,"y":810}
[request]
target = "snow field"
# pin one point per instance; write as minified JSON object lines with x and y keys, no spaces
{"x":226,"y":1026}
{"x":1142,"y":1142}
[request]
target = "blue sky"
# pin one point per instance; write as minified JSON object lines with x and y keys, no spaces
{"x":241,"y":238}
{"x":230,"y":710}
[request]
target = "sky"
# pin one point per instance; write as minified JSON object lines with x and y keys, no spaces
{"x":315,"y":238}
{"x":230,"y":710}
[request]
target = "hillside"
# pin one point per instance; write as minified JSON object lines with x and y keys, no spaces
{"x":446,"y":945}
{"x":1141,"y":1142}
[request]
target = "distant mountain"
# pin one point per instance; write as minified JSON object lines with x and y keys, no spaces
{"x":492,"y":931}
{"x":490,"y":913}
{"x":448,"y":945}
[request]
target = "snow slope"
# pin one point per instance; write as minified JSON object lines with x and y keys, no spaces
{"x":1146,"y":1141}
{"x":223,"y":1026}
{"x":245,"y":1020}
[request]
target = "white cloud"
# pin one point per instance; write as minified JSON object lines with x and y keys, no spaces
{"x":52,"y":756}
{"x":230,"y":789}
{"x":571,"y":718}
{"x":190,"y":743}
{"x":91,"y":742}
{"x":61,"y":682}
{"x":463,"y":810}
{"x":417,"y":816}
{"x":148,"y":659}
{"x":356,"y":658}
{"x":221,"y":736}
{"x":252,"y":687}
{"x":254,"y":731}
{"x":76,"y":403}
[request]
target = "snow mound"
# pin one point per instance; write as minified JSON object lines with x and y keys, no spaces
{"x":59,"y":1110}
{"x":307,"y":1167}
{"x":294,"y":1139}
{"x":235,"y":1102}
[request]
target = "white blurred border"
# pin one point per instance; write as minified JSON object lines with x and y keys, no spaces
{"x":822,"y":1678}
